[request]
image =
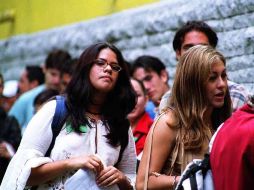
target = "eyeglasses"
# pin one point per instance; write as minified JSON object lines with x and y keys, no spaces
{"x":103,"y":63}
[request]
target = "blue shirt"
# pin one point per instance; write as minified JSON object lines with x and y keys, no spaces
{"x":150,"y":109}
{"x":23,"y":108}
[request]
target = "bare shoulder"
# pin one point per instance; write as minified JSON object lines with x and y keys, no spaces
{"x":168,"y":118}
{"x":166,"y":124}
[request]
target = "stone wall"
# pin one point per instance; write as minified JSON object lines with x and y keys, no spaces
{"x":146,"y":30}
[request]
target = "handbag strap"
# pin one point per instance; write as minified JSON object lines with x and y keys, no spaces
{"x":150,"y":150}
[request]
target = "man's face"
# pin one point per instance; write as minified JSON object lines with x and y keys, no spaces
{"x":156,"y":85}
{"x":24,"y":83}
{"x":52,"y":78}
{"x":65,"y":79}
{"x":191,"y":39}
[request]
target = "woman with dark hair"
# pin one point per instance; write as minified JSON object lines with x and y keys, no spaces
{"x":96,"y":136}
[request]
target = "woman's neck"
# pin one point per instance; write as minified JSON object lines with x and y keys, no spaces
{"x":94,"y":109}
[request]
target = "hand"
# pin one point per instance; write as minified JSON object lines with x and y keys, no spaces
{"x":91,"y":162}
{"x":109,"y":176}
{"x":4,"y":152}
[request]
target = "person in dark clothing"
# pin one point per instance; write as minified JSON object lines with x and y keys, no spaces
{"x":10,"y":136}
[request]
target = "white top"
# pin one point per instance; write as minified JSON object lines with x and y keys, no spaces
{"x":37,"y":138}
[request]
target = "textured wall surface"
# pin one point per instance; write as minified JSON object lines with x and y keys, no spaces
{"x":146,"y":30}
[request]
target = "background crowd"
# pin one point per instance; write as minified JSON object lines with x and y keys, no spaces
{"x":107,"y":127}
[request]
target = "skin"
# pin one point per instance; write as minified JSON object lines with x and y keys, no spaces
{"x":139,"y":109}
{"x":163,"y":143}
{"x":3,"y":151}
{"x":217,"y":85}
{"x":164,"y":134}
{"x":103,"y":81}
{"x":191,"y":39}
{"x":155,"y":85}
{"x":26,"y":85}
{"x":8,"y":102}
{"x":65,"y":79}
{"x":52,"y":78}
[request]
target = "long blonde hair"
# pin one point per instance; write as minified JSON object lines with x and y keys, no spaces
{"x":189,"y":95}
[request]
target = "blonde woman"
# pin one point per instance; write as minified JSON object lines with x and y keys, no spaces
{"x":199,"y":102}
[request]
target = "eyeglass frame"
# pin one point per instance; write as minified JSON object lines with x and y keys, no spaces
{"x":106,"y":63}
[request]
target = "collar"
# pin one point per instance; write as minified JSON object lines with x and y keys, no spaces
{"x":143,"y":124}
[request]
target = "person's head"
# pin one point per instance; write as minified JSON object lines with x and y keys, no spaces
{"x":152,"y":72}
{"x":66,"y":73}
{"x":10,"y":94}
{"x":142,"y":99}
{"x":200,"y":93}
{"x":30,"y":78}
{"x":43,"y":97}
{"x":101,"y":78}
{"x":53,"y":66}
{"x":191,"y":34}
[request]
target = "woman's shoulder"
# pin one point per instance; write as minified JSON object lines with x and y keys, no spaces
{"x":49,"y":105}
{"x":165,"y":126}
{"x":168,"y":118}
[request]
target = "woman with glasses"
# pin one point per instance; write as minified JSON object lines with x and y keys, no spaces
{"x":96,"y":137}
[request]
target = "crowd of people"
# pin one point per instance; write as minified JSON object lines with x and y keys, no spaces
{"x":125,"y":127}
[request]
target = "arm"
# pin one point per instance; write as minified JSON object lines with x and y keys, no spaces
{"x":52,"y":170}
{"x":162,"y":145}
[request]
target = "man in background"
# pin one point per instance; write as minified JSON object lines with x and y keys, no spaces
{"x":199,"y":33}
{"x":10,"y":94}
{"x":23,"y":108}
{"x":66,"y":73}
{"x":152,"y":72}
{"x":31,"y":77}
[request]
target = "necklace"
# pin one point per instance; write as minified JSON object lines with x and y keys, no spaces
{"x":94,"y":118}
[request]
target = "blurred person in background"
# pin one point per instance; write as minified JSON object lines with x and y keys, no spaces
{"x":66,"y":73}
{"x":10,"y":135}
{"x":152,"y":72}
{"x":10,"y":94}
{"x":199,"y":103}
{"x":31,"y":77}
{"x":23,"y":108}
{"x":139,"y":119}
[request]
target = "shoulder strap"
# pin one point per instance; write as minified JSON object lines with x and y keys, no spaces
{"x":59,"y":118}
{"x":150,"y":150}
